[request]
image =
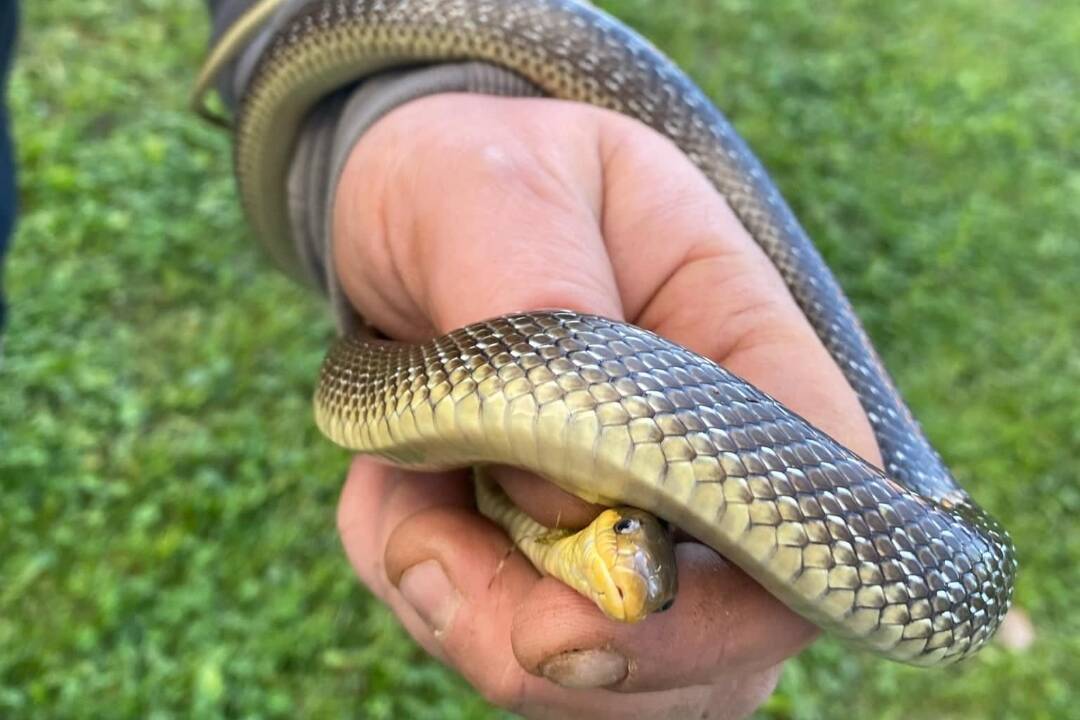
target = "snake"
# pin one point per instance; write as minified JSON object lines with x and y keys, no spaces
{"x":897,"y":560}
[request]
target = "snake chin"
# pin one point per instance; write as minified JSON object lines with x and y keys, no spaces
{"x":637,"y":558}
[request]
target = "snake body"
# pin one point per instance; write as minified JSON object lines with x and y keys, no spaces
{"x":900,"y":561}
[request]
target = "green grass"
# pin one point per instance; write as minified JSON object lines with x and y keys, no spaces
{"x":167,"y":543}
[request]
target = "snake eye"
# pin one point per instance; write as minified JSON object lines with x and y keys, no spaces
{"x":667,"y":606}
{"x":627,"y":525}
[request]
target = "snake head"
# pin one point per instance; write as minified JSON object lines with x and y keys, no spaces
{"x":633,"y":570}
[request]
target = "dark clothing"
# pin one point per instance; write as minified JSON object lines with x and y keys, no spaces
{"x":9,"y":20}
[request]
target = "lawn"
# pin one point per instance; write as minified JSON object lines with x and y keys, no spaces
{"x":167,"y":542}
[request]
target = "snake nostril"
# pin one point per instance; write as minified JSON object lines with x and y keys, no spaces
{"x":667,"y":606}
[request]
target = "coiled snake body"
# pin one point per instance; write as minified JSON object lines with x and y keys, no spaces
{"x":900,"y":561}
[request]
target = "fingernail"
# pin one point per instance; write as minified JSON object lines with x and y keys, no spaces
{"x":426,"y":587}
{"x":582,"y":669}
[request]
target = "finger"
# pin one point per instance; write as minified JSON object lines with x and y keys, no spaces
{"x":458,"y":618}
{"x":545,"y":502}
{"x":722,"y":623}
{"x":491,"y":586}
{"x":376,"y":498}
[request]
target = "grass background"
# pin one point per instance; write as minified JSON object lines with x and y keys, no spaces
{"x":167,"y":544}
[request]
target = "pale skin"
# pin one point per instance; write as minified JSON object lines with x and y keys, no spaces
{"x":458,"y":208}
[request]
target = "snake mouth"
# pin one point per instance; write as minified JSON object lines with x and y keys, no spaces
{"x":633,"y":568}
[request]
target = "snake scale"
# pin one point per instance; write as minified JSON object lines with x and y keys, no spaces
{"x":899,"y":561}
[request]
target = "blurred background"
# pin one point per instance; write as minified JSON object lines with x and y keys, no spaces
{"x":167,"y":539}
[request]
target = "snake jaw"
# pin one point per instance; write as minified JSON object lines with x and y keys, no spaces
{"x":632,"y":569}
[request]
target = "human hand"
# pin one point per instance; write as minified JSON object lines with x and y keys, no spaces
{"x":458,"y":208}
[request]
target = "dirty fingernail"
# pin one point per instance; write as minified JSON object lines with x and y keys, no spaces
{"x":585,"y":668}
{"x":426,"y":587}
